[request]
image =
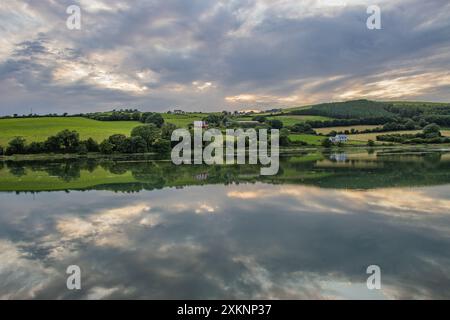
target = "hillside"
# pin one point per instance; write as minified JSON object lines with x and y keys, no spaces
{"x":38,"y":129}
{"x":347,"y":110}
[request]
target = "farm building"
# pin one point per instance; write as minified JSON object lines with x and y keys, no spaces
{"x":339,"y":138}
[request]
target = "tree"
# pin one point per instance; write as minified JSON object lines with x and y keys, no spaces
{"x":275,"y":124}
{"x":138,"y":145}
{"x":154,"y":118}
{"x":370,"y":143}
{"x":119,"y":143}
{"x":260,"y":119}
{"x":106,"y":147}
{"x":69,"y":140}
{"x":91,"y":145}
{"x":303,"y":128}
{"x":161,"y":146}
{"x":16,"y":146}
{"x":1,"y":151}
{"x":82,"y":148}
{"x":147,"y":132}
{"x":167,"y":129}
{"x":52,"y":144}
{"x":432,"y":130}
{"x":284,"y":138}
{"x":327,"y":143}
{"x":36,"y":147}
{"x":136,"y":116}
{"x":214,"y":120}
{"x":410,"y":125}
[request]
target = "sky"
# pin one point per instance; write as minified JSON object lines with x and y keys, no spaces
{"x":200,"y":55}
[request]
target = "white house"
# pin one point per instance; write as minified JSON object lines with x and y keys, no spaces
{"x":339,"y":138}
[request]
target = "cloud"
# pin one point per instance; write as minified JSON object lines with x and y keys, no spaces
{"x":248,"y":241}
{"x":213,"y":55}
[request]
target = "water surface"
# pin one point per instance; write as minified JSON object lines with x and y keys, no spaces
{"x":152,"y":230}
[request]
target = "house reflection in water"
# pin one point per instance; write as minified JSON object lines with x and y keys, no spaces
{"x":338,"y":157}
{"x":201,"y":176}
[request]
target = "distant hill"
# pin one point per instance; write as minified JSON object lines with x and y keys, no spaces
{"x":347,"y":110}
{"x":357,"y":109}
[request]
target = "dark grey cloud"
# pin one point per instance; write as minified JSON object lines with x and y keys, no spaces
{"x":155,"y":55}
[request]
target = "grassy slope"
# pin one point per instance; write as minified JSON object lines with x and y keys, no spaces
{"x":183,"y":120}
{"x":373,"y":136}
{"x":293,"y":119}
{"x":329,"y":129}
{"x":38,"y":129}
{"x":348,"y":109}
{"x":288,"y":120}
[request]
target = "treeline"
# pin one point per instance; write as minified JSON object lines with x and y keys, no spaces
{"x":65,"y":141}
{"x":388,"y":123}
{"x":127,"y":115}
{"x":366,"y":112}
{"x":34,"y":115}
{"x":115,"y":115}
{"x":411,"y":110}
{"x":356,"y":109}
{"x":403,"y":125}
{"x":143,"y":139}
{"x":430,"y":134}
{"x":350,"y":122}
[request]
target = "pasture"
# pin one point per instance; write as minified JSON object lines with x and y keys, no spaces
{"x":39,"y":129}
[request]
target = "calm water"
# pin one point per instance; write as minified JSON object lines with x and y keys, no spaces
{"x":148,"y":229}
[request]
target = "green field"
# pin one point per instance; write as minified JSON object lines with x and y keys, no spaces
{"x":317,"y":140}
{"x":293,"y":119}
{"x":288,"y":120}
{"x":373,"y":136}
{"x":38,"y":129}
{"x":308,"y":138}
{"x":183,"y":120}
{"x":339,"y":129}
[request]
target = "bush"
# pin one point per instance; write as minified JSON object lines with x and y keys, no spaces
{"x":303,"y":128}
{"x":106,"y":147}
{"x":52,"y":144}
{"x":36,"y":147}
{"x":82,"y":148}
{"x":119,"y":142}
{"x":260,"y":119}
{"x":147,"y":132}
{"x":91,"y":145}
{"x":370,"y":143}
{"x":16,"y":146}
{"x":275,"y":124}
{"x":161,"y":146}
{"x":167,"y":129}
{"x":1,"y":151}
{"x":326,"y":143}
{"x":432,"y":130}
{"x":69,"y":140}
{"x":138,"y":145}
{"x":154,"y":118}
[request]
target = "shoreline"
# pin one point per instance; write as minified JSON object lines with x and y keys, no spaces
{"x":155,"y":156}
